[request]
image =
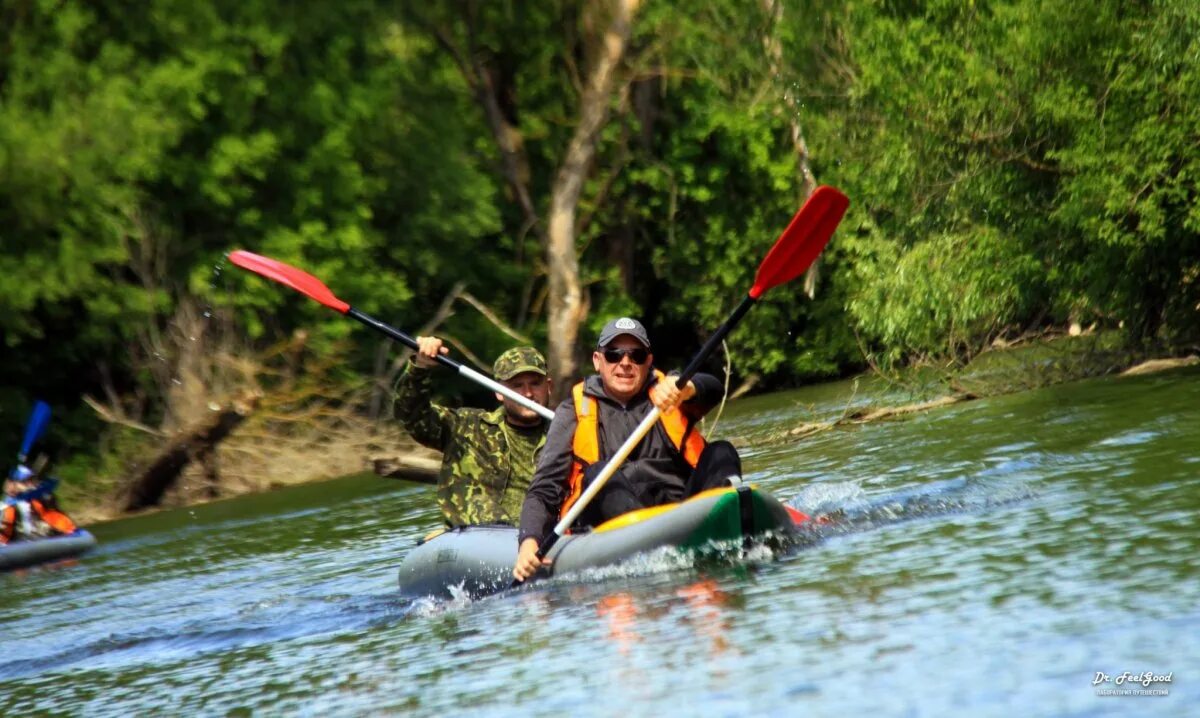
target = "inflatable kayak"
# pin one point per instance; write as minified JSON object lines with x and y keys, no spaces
{"x":20,"y":554}
{"x":479,"y":559}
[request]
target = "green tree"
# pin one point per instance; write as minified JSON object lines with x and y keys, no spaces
{"x":1019,"y":163}
{"x":134,"y":155}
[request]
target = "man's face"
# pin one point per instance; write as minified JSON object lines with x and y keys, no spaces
{"x":11,"y":488}
{"x":530,"y":385}
{"x":622,"y":379}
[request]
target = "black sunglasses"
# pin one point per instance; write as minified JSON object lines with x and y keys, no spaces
{"x":637,"y":356}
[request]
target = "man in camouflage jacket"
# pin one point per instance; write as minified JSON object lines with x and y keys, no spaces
{"x":487,"y":456}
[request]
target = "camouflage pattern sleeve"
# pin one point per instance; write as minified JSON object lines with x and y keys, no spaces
{"x":412,"y":405}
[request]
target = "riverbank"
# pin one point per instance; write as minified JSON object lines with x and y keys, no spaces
{"x":253,"y":462}
{"x":256,"y":460}
{"x":973,"y":385}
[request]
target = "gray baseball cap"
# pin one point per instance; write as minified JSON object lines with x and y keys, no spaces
{"x":623,"y":325}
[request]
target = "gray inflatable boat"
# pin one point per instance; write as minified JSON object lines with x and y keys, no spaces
{"x":21,"y":554}
{"x":478,"y":560}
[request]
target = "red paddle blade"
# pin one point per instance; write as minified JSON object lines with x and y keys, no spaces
{"x":286,"y":274}
{"x":806,"y":235}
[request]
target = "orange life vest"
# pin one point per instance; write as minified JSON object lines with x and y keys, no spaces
{"x":586,"y":446}
{"x":57,"y":520}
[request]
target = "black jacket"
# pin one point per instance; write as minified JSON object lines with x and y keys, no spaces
{"x":659,"y":467}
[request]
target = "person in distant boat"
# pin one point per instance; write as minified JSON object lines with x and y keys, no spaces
{"x":30,"y":510}
{"x":487,"y":456}
{"x":671,"y":463}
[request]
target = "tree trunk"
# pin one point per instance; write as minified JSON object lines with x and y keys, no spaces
{"x":566,"y":306}
{"x":197,"y":443}
{"x":514,"y":160}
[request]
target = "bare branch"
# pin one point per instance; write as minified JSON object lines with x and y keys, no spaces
{"x":114,"y":415}
{"x":494,"y":318}
{"x":610,"y":177}
{"x":443,"y":312}
{"x":467,"y":353}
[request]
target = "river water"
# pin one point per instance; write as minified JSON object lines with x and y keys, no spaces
{"x":990,"y":559}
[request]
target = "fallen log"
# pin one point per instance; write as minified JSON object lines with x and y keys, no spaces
{"x":420,"y":469}
{"x":194,"y":444}
{"x":866,"y":416}
{"x":1157,"y":365}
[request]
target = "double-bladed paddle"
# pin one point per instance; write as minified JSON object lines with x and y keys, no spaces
{"x":312,"y":287}
{"x":793,"y":253}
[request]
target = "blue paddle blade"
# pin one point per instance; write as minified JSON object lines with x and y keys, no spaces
{"x":38,"y":420}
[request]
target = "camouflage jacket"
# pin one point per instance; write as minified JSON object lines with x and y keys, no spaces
{"x":486,"y":464}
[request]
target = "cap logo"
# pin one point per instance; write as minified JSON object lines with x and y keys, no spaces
{"x":625,"y":323}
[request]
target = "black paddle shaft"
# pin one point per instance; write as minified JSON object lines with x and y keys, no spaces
{"x":717,"y":337}
{"x":399,"y":336}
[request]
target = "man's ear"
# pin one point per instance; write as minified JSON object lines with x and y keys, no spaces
{"x":499,"y":397}
{"x":596,"y":357}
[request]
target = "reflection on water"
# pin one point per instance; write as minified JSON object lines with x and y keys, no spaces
{"x":620,"y":612}
{"x":703,"y":603}
{"x":987,"y":559}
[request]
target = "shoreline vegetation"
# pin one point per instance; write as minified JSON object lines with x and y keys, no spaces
{"x":960,"y":394}
{"x":268,"y":454}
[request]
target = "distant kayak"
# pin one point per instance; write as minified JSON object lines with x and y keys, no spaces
{"x":478,"y":560}
{"x":20,"y":554}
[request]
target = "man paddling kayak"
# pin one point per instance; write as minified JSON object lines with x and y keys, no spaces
{"x":670,"y":464}
{"x":487,"y":456}
{"x":30,"y":510}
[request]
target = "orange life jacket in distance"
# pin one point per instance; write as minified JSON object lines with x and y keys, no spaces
{"x":57,"y":520}
{"x":586,"y":446}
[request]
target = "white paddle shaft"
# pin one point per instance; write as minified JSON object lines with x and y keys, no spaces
{"x":496,"y":386}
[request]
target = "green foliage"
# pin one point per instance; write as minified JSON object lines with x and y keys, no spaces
{"x":1018,"y":163}
{"x":941,"y":293}
{"x":134,"y":155}
{"x":1012,"y":166}
{"x":1131,"y":171}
